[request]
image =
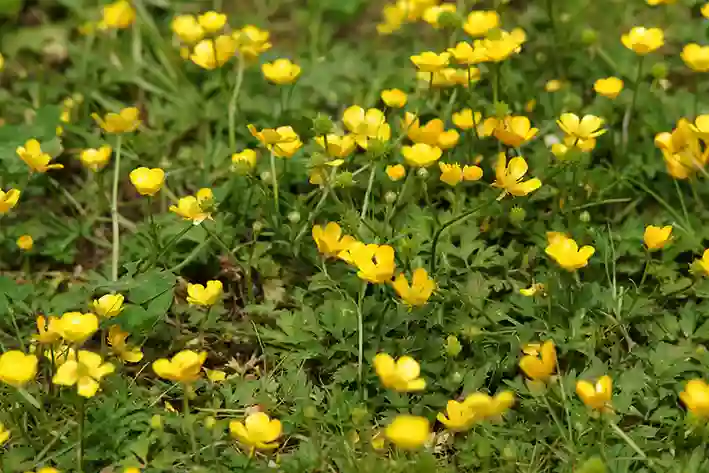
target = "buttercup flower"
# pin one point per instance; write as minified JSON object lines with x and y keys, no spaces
{"x":213,"y":53}
{"x":596,"y":396}
{"x":681,"y":149}
{"x":375,"y":263}
{"x":8,"y":200}
{"x":696,"y":57}
{"x":117,"y":15}
{"x":705,"y":10}
{"x":502,"y":44}
{"x":25,"y":242}
{"x":125,"y":121}
{"x":251,"y":41}
{"x":539,"y":362}
{"x":394,"y":17}
{"x":117,"y":341}
{"x":479,"y":23}
{"x":212,"y":21}
{"x":458,"y":416}
{"x":451,"y":174}
{"x":421,"y":154}
{"x":656,"y":238}
{"x":96,"y":159}
{"x":258,"y":431}
{"x":48,"y":330}
{"x":464,"y":53}
{"x":198,"y":294}
{"x":433,"y":133}
{"x":429,"y":61}
{"x":402,"y":375}
{"x":484,"y":406}
{"x":246,"y":158}
{"x":337,"y":146}
{"x":394,"y":98}
{"x":184,"y":367}
{"x":147,"y":181}
{"x":86,"y":372}
{"x":195,"y":208}
{"x":508,"y":177}
{"x":512,"y":131}
{"x":329,"y":240}
{"x":565,"y":251}
{"x":282,"y":141}
{"x":586,"y":128}
{"x":419,"y":291}
{"x":215,"y":376}
{"x":31,"y":153}
{"x":408,"y":432}
{"x":432,"y":14}
{"x":366,"y":125}
{"x":396,"y":172}
{"x":77,"y":327}
{"x":532,"y":290}
{"x":281,"y":71}
{"x":553,"y":85}
{"x":643,"y":40}
{"x":472,"y":173}
{"x":16,"y":368}
{"x":4,"y":434}
{"x":695,"y":397}
{"x":703,"y":262}
{"x":609,"y":87}
{"x":109,"y":305}
{"x":466,"y":119}
{"x":187,"y":28}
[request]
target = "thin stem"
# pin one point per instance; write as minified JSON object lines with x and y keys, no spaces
{"x":555,"y":36}
{"x":326,"y":191}
{"x":115,"y":255}
{"x":628,"y":440}
{"x":167,"y":247}
{"x":274,"y":182}
{"x":631,"y":108}
{"x":365,"y":205}
{"x":80,"y":416}
{"x":648,"y":261}
{"x":188,"y":420}
{"x":496,"y":83}
{"x":360,"y":339}
{"x":232,"y":103}
{"x":558,"y":423}
{"x":153,"y":228}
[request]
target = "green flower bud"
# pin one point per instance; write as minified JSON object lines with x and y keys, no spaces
{"x":589,"y":36}
{"x":210,"y":422}
{"x":593,"y":465}
{"x":585,"y":216}
{"x":322,"y":125}
{"x":294,"y":216}
{"x":517,"y":215}
{"x":266,"y":177}
{"x":659,"y":70}
{"x":257,"y":227}
{"x":422,"y":173}
{"x":156,"y":422}
{"x":344,"y":179}
{"x":390,"y":197}
{"x":453,"y":347}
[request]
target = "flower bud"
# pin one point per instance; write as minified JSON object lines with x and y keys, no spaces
{"x":344,"y":179}
{"x":210,"y":422}
{"x":457,"y":377}
{"x":593,"y":465}
{"x":294,"y":216}
{"x":257,"y":227}
{"x":156,"y":422}
{"x":517,"y":215}
{"x":266,"y":177}
{"x":659,"y":70}
{"x":589,"y":36}
{"x":322,"y":125}
{"x":422,"y":173}
{"x":585,"y":217}
{"x":310,"y":412}
{"x":390,"y":197}
{"x":453,"y":347}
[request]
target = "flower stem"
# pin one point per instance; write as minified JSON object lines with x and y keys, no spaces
{"x":631,"y":108}
{"x":360,"y":339}
{"x":166,"y":248}
{"x":80,"y":416}
{"x":365,"y":205}
{"x":628,"y":440}
{"x":188,"y":420}
{"x":274,"y":177}
{"x":232,"y":103}
{"x":116,"y":253}
{"x":153,"y":227}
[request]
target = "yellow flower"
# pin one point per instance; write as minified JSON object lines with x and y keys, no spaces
{"x":184,"y":367}
{"x":31,"y":153}
{"x":512,"y":131}
{"x":147,"y":181}
{"x":330,"y":240}
{"x":393,"y":19}
{"x":25,"y":242}
{"x":215,"y":376}
{"x":432,"y":14}
{"x":212,"y":21}
{"x":281,"y":71}
{"x":60,"y":354}
{"x":375,"y":263}
{"x":213,"y":53}
{"x":2,"y":62}
{"x":131,"y":469}
{"x":657,"y":238}
{"x":77,"y":327}
{"x":472,"y":173}
{"x":465,"y":54}
{"x":394,"y":98}
{"x":408,"y":432}
{"x":246,"y":158}
{"x":466,"y":119}
{"x":696,"y":57}
{"x":553,"y":85}
{"x":125,"y":121}
{"x":502,"y":44}
{"x":586,"y":128}
{"x":660,"y":2}
{"x":643,"y":40}
{"x":96,"y":159}
{"x":108,"y":305}
{"x":696,"y":397}
{"x":251,"y":41}
{"x":458,"y":416}
{"x":117,"y":15}
{"x":16,"y":368}
{"x":198,"y":294}
{"x":119,"y":347}
{"x":429,"y":61}
{"x":509,"y":177}
{"x":47,"y":330}
{"x":8,"y":200}
{"x":418,"y":292}
{"x":539,"y":363}
{"x":4,"y":434}
{"x":705,"y":10}
{"x":190,"y":208}
{"x":448,"y":139}
{"x":337,"y":146}
{"x":187,"y":28}
{"x":402,"y":375}
{"x":681,"y":149}
{"x":282,"y":141}
{"x":366,"y":125}
{"x":484,"y":406}
{"x":704,"y":262}
{"x":451,"y":174}
{"x":421,"y":154}
{"x":258,"y":431}
{"x":86,"y":372}
{"x":429,"y":133}
{"x":532,"y":290}
{"x":565,"y":251}
{"x":479,"y":23}
{"x":609,"y":87}
{"x":596,"y":396}
{"x":396,"y":172}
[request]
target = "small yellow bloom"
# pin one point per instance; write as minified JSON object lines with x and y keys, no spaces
{"x":596,"y":396}
{"x":590,"y":126}
{"x":77,"y":327}
{"x":396,"y":172}
{"x":418,"y":292}
{"x":96,"y":159}
{"x":508,"y":177}
{"x":215,"y":376}
{"x":4,"y":434}
{"x":408,"y":432}
{"x":117,"y":15}
{"x":539,"y":364}
{"x":553,"y":85}
{"x":282,"y":141}
{"x":458,"y":417}
{"x":512,"y":131}
{"x":31,"y":153}
{"x":490,"y":407}
{"x":246,"y":158}
{"x":696,"y":57}
{"x":281,"y":71}
{"x":86,"y":372}
{"x":337,"y":146}
{"x":466,"y":54}
{"x":375,"y":263}
{"x":609,"y":87}
{"x":466,"y":119}
{"x":108,"y":305}
{"x":394,"y":98}
{"x":448,"y":139}
{"x":695,"y":397}
{"x":660,"y":2}
{"x":47,"y":330}
{"x":187,"y":28}
{"x":394,"y":17}
{"x":251,"y":41}
{"x":184,"y":367}
{"x":433,"y":133}
{"x":704,"y":262}
{"x":125,"y":121}
{"x":657,"y":238}
{"x":147,"y":181}
{"x":366,"y":125}
{"x":472,"y":173}
{"x":60,"y":354}
{"x":213,"y":53}
{"x":25,"y":242}
{"x":451,"y":174}
{"x":566,"y":252}
{"x":681,"y":148}
{"x":208,"y":295}
{"x":8,"y":200}
{"x":643,"y":40}
{"x":532,"y":290}
{"x":131,"y":469}
{"x":212,"y":21}
{"x":429,"y":61}
{"x":16,"y":368}
{"x":402,"y":375}
{"x":190,"y":208}
{"x":432,"y":14}
{"x":705,"y":10}
{"x":258,"y":431}
{"x":502,"y":45}
{"x":421,"y":154}
{"x":2,"y":62}
{"x":117,"y":341}
{"x":329,"y":240}
{"x":479,"y":23}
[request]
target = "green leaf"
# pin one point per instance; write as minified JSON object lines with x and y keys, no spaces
{"x":150,"y":285}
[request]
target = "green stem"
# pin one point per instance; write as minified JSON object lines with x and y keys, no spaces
{"x":628,"y":440}
{"x":631,"y":108}
{"x":496,"y":83}
{"x":167,"y":247}
{"x":555,"y":36}
{"x":365,"y":205}
{"x":116,"y":250}
{"x":326,"y":191}
{"x":274,"y":182}
{"x":188,"y":420}
{"x":648,"y":260}
{"x":80,"y":417}
{"x":232,"y":104}
{"x":360,"y":339}
{"x":153,"y":228}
